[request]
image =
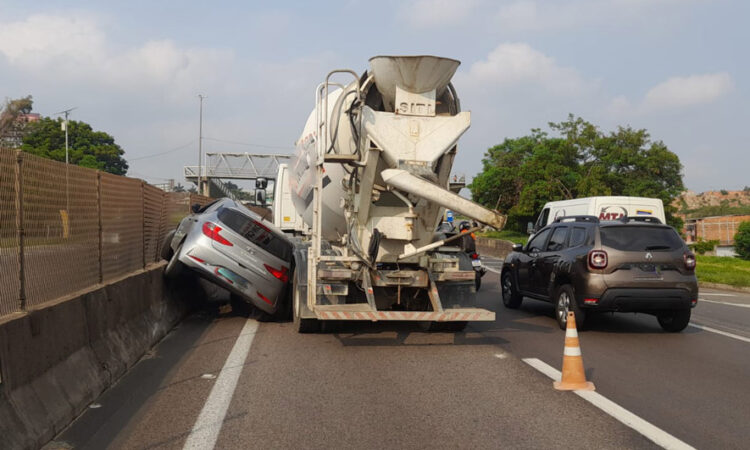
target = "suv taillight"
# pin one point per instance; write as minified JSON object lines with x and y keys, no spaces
{"x":689,"y":261}
{"x":598,"y":259}
{"x":212,"y":230}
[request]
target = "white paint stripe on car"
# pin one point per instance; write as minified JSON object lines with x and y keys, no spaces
{"x":206,"y":430}
{"x":647,"y":429}
{"x":741,"y":305}
{"x":723,"y":333}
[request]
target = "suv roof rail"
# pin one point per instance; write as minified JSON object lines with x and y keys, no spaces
{"x":647,"y":219}
{"x":592,"y":219}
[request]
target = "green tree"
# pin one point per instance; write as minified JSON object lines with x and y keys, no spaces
{"x":520,"y":175}
{"x":87,"y":148}
{"x":742,"y":240}
{"x":11,"y":128}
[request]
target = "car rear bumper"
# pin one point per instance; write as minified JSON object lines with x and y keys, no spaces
{"x":224,"y":271}
{"x":644,"y":300}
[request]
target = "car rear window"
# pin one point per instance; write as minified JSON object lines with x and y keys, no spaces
{"x":639,"y":238}
{"x":256,"y":233}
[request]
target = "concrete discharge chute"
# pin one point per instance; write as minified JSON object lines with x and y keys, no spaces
{"x":369,"y":182}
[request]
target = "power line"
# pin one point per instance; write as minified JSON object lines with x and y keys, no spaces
{"x":248,"y":144}
{"x":165,"y":152}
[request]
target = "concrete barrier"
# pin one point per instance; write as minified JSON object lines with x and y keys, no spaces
{"x":57,"y":359}
{"x":497,"y":248}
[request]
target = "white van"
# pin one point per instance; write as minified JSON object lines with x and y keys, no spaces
{"x":285,"y":216}
{"x":605,"y":208}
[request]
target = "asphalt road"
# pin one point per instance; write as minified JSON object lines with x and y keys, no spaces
{"x":391,"y":385}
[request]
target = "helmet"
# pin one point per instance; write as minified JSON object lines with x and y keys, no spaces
{"x":464,"y":225}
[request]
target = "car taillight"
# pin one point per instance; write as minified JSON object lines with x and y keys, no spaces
{"x":689,"y":261}
{"x":474,"y":256}
{"x":212,"y":230}
{"x":597,"y":259}
{"x":590,"y":301}
{"x":282,"y":274}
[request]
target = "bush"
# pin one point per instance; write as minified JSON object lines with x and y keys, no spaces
{"x":724,"y":192}
{"x":742,"y":241}
{"x":701,"y":247}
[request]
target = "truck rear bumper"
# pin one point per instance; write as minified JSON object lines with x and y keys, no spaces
{"x":362,"y":311}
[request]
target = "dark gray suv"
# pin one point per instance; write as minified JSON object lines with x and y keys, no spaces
{"x":581,"y":264}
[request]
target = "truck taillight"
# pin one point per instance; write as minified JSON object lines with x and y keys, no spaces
{"x":689,"y":261}
{"x":598,"y":259}
{"x":212,"y":230}
{"x":282,"y":274}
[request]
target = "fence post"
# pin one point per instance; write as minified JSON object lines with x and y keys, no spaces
{"x":20,"y":231}
{"x":99,"y":220}
{"x":143,"y":223}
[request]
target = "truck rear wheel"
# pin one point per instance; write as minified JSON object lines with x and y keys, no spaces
{"x":300,"y":324}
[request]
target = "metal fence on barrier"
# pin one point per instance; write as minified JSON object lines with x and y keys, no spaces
{"x":65,"y":228}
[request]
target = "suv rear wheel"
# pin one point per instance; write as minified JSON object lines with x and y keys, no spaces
{"x":565,"y":301}
{"x":674,"y":321}
{"x":511,"y":298}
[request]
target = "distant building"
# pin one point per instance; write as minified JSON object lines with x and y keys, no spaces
{"x":717,"y":228}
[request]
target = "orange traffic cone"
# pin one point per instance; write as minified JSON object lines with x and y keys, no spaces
{"x":573,"y":377}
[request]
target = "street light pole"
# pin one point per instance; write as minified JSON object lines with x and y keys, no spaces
{"x":200,"y":144}
{"x":67,"y":159}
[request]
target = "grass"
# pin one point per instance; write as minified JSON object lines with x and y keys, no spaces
{"x":508,"y":235}
{"x":717,"y":269}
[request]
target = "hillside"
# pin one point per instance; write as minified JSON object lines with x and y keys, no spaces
{"x":713,"y":203}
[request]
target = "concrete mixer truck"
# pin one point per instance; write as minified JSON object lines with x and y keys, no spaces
{"x":365,"y":192}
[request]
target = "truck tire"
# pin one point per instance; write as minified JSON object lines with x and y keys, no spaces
{"x":674,"y":321}
{"x":565,"y":301}
{"x":511,"y":298}
{"x":174,"y":267}
{"x":300,"y":324}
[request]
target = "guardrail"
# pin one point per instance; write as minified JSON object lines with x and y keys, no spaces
{"x":66,"y":228}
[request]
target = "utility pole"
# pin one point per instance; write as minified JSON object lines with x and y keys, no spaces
{"x":67,"y":159}
{"x":200,"y":144}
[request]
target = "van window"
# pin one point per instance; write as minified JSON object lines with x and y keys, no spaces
{"x":640,"y":238}
{"x":557,"y":241}
{"x":577,"y":236}
{"x":257,"y":233}
{"x":542,"y":220}
{"x":537,"y":243}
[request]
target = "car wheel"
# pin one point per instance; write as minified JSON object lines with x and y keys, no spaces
{"x":300,"y":324}
{"x":239,"y":306}
{"x":174,"y":266}
{"x":565,"y":302}
{"x":511,"y":298}
{"x":166,"y":248}
{"x":245,"y":309}
{"x":674,"y":321}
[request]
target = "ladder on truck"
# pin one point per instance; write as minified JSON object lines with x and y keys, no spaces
{"x":358,"y":311}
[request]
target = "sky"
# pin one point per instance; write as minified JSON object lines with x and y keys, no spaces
{"x":678,"y":68}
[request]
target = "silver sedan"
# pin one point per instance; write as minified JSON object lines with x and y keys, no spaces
{"x":228,"y":244}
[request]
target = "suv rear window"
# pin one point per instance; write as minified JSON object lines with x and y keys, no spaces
{"x":639,"y":238}
{"x":257,"y":233}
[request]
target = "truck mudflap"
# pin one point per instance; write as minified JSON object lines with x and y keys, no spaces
{"x":362,"y":311}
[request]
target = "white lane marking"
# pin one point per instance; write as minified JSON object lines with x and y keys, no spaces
{"x":492,"y":270}
{"x":741,"y":305}
{"x":657,"y":435}
{"x":207,"y":427}
{"x":718,"y":295}
{"x":723,"y":333}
